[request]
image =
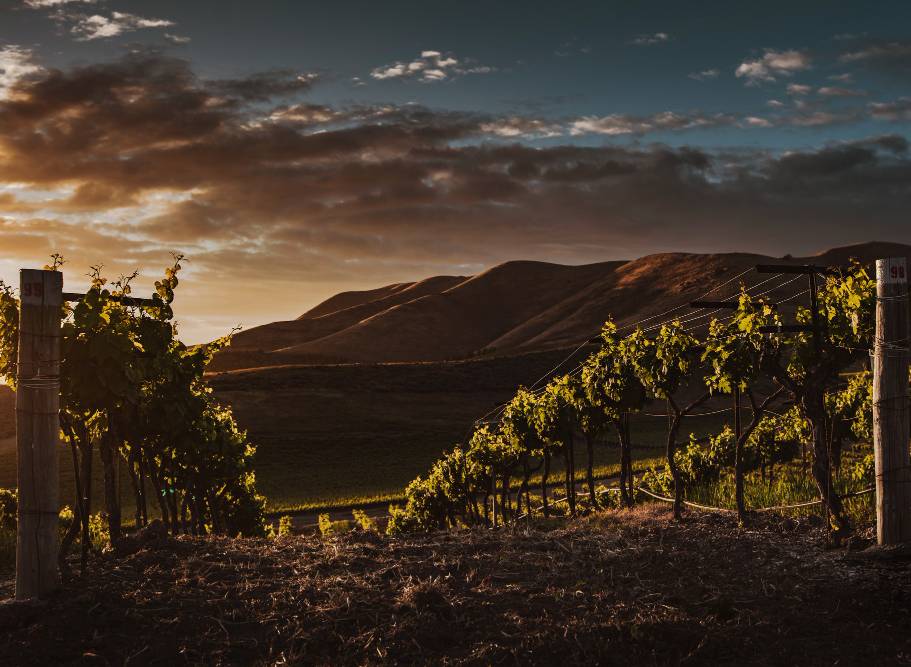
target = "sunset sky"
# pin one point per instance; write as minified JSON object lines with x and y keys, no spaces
{"x":296,"y":149}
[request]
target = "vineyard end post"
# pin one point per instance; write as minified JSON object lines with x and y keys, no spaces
{"x":890,"y":403}
{"x":37,"y":431}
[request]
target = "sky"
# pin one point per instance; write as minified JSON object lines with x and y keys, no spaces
{"x":292,"y":150}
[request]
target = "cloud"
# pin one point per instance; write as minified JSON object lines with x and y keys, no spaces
{"x":775,"y":104}
{"x":264,"y":86}
{"x":836,"y":91}
{"x":122,"y":161}
{"x":429,"y":67}
{"x":623,"y":124}
{"x":842,"y":78}
{"x":771,"y":65}
{"x":572,"y":47}
{"x":888,"y":52}
{"x":897,"y":110}
{"x":890,"y":58}
{"x":16,"y":63}
{"x":648,"y":40}
{"x":799,"y":89}
{"x":704,"y":75}
{"x":96,"y":26}
{"x":50,"y":4}
{"x":519,"y":126}
{"x":177,"y":39}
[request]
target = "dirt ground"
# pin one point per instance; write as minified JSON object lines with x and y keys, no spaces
{"x":616,"y":588}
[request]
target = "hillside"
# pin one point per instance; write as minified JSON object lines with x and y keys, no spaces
{"x":512,"y":308}
{"x":617,"y":588}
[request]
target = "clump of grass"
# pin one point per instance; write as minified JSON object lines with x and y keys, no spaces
{"x":362,"y":520}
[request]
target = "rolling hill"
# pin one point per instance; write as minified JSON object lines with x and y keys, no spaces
{"x":435,"y":355}
{"x":512,"y":308}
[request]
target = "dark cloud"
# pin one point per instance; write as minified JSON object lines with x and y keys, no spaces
{"x":146,"y":157}
{"x":891,"y":57}
{"x":265,"y":86}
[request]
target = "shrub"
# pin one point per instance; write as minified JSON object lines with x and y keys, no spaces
{"x":325,"y":525}
{"x":284,"y":526}
{"x":8,"y":508}
{"x":362,"y":520}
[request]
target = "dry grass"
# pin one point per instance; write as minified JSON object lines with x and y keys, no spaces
{"x":616,"y":588}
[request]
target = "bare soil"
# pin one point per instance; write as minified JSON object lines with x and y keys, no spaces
{"x":616,"y":588}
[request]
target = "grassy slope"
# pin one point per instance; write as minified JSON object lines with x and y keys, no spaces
{"x":336,"y":435}
{"x":340,"y":435}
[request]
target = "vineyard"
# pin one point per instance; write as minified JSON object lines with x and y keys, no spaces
{"x":519,"y":544}
{"x":806,"y":386}
{"x":132,"y":396}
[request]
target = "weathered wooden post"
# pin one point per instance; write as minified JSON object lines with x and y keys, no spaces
{"x":37,"y":431}
{"x":890,"y":403}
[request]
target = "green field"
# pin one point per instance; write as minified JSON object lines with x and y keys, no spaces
{"x":331,"y":436}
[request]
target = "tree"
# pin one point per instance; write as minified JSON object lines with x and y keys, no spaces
{"x":846,"y":313}
{"x":739,"y":355}
{"x":518,"y":425}
{"x":664,"y":365}
{"x":612,"y":388}
{"x":134,"y":392}
{"x":555,"y":420}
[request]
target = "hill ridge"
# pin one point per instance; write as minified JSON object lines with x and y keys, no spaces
{"x":514,"y":307}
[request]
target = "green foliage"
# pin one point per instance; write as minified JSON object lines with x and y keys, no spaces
{"x":9,"y":334}
{"x":851,"y":408}
{"x":362,"y":520}
{"x":9,"y":504}
{"x":518,"y":423}
{"x":131,"y":389}
{"x":864,"y":470}
{"x":618,"y":378}
{"x":735,"y":351}
{"x":665,"y":363}
{"x":609,"y":379}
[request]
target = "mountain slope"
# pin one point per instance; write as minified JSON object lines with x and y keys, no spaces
{"x":515,"y":307}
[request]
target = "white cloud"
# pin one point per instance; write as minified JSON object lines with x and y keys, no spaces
{"x":756,"y":121}
{"x":836,"y":91}
{"x":47,"y":4}
{"x":772,"y":64}
{"x":877,"y":52}
{"x":775,"y":104}
{"x":816,"y":118}
{"x":799,"y":89}
{"x":704,"y":75}
{"x":648,"y":40}
{"x":96,"y":26}
{"x":15,"y":63}
{"x":622,"y":124}
{"x":897,"y":110}
{"x":519,"y":126}
{"x":177,"y":39}
{"x":842,"y":78}
{"x":429,"y":67}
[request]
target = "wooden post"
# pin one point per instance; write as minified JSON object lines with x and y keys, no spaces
{"x":890,"y":403}
{"x":37,"y":432}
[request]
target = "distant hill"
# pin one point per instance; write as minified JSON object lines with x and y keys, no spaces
{"x":512,"y":308}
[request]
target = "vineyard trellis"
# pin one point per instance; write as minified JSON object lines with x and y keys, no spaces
{"x":131,"y":392}
{"x":790,"y":374}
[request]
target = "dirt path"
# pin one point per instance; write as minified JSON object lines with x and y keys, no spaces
{"x":617,"y":588}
